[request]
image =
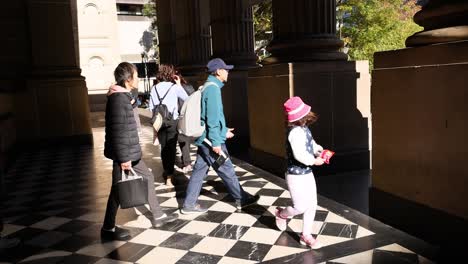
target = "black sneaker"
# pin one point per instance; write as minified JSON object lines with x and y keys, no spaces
{"x":251,"y":200}
{"x":195,"y":210}
{"x":7,"y":243}
{"x":164,"y":219}
{"x":117,"y":234}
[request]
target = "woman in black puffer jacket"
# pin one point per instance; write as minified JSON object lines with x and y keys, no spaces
{"x":123,"y":147}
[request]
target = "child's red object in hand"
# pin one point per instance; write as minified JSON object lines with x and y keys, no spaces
{"x":326,"y":155}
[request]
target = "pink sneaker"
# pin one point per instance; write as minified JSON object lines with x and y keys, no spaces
{"x":310,"y":241}
{"x":280,"y":220}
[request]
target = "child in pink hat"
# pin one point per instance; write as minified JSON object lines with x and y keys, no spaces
{"x":302,"y":153}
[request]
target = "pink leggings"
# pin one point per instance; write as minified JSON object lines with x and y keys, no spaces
{"x":304,"y":197}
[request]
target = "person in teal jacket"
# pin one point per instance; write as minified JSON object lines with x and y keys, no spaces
{"x":216,"y":131}
{"x":212,"y":113}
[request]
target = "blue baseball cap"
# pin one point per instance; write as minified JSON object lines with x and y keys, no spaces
{"x":216,"y":64}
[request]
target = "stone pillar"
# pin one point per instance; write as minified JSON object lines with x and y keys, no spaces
{"x":14,"y":56}
{"x":420,"y":147}
{"x":306,"y":62}
{"x":54,"y":103}
{"x":193,"y":38}
{"x":443,"y":21}
{"x":233,"y":41}
{"x":167,"y":31}
{"x":304,"y":30}
{"x":232,"y":32}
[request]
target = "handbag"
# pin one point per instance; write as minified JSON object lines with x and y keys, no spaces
{"x":132,"y":189}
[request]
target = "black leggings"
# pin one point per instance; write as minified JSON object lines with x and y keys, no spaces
{"x":167,"y":137}
{"x":184,"y":144}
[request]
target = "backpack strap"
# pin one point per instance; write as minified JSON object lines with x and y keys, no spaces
{"x":159,"y":98}
{"x":206,"y":84}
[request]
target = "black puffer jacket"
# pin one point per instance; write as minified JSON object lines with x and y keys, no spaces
{"x":122,"y":141}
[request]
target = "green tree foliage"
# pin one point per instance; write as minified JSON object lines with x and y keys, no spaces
{"x":149,"y":10}
{"x":149,"y":40}
{"x":263,"y":20}
{"x":369,"y":26}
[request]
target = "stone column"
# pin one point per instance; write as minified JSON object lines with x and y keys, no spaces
{"x":232,"y":32}
{"x":167,"y":31}
{"x":419,"y":110}
{"x":233,"y":41}
{"x":14,"y":58}
{"x":306,"y":62}
{"x":443,"y":21}
{"x":55,"y":93}
{"x":304,"y":30}
{"x":193,"y":38}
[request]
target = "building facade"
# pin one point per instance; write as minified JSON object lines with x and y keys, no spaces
{"x":110,"y":31}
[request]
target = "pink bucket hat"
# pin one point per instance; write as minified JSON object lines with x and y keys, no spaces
{"x":295,"y":109}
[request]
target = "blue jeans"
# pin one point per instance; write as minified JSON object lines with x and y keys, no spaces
{"x":205,"y":158}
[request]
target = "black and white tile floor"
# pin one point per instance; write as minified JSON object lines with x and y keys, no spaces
{"x":57,"y":198}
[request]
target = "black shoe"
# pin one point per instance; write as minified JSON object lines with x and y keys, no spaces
{"x":118,"y":234}
{"x":7,"y":243}
{"x":164,"y":219}
{"x":249,"y":201}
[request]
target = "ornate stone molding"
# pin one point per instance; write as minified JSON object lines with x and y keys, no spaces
{"x":443,"y":21}
{"x":232,"y":32}
{"x":304,"y":30}
{"x":193,"y":36}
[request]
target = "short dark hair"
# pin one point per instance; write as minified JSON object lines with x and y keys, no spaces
{"x":124,"y":72}
{"x":307,"y":120}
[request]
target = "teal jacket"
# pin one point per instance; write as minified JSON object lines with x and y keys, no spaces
{"x":212,"y":114}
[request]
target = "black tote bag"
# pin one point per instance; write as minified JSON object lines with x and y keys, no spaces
{"x":133,"y":190}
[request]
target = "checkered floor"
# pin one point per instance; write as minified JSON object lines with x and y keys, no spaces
{"x":57,"y":198}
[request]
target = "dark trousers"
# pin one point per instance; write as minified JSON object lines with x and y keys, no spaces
{"x":184,"y":144}
{"x":113,"y":203}
{"x":167,"y":137}
{"x":205,"y":158}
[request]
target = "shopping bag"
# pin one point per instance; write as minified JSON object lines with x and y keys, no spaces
{"x":132,"y":189}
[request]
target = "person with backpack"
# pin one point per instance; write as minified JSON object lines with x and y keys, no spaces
{"x":165,"y":95}
{"x":183,"y":140}
{"x":211,"y":144}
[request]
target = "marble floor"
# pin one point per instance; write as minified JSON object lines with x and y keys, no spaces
{"x":57,"y":196}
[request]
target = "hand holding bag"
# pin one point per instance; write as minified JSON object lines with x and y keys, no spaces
{"x":132,"y":189}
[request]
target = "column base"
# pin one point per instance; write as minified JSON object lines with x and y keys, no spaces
{"x":331,"y":89}
{"x":51,"y":107}
{"x":441,"y":35}
{"x":319,"y":48}
{"x":420,"y":114}
{"x":240,"y":62}
{"x":192,"y":69}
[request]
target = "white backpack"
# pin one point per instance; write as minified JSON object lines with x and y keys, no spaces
{"x":190,"y":115}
